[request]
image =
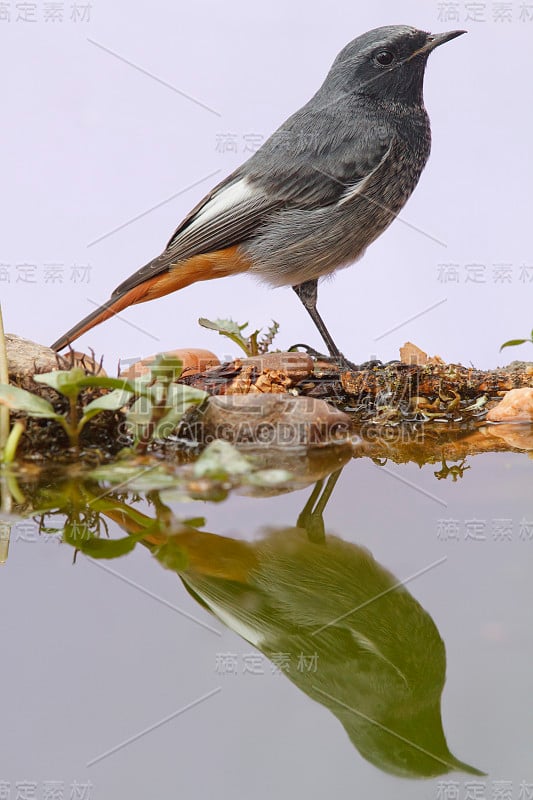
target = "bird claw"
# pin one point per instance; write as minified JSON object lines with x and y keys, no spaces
{"x":339,"y":361}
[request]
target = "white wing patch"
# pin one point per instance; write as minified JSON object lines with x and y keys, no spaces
{"x":235,"y":623}
{"x":226,"y":198}
{"x":370,"y":646}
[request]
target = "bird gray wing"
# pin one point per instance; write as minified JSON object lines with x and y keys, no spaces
{"x":318,"y":155}
{"x":309,"y":162}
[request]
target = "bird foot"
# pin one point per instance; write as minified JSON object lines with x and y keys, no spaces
{"x":339,"y":361}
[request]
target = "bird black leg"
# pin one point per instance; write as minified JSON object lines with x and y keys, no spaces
{"x":308,"y":293}
{"x":311,"y":518}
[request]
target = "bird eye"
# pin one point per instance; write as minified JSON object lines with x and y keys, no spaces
{"x":384,"y":58}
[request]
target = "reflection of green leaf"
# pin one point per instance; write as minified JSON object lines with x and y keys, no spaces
{"x":136,"y":478}
{"x":104,"y":504}
{"x":229,"y":328}
{"x":194,"y":522}
{"x":269,"y":477}
{"x":221,"y":460}
{"x":76,"y":533}
{"x":21,"y":400}
{"x":171,"y":555}
{"x":107,"y":548}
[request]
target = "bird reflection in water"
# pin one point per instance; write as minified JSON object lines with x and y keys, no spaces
{"x":380,"y":661}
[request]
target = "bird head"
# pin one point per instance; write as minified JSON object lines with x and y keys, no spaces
{"x":386,"y":64}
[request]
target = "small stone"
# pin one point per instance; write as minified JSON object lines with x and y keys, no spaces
{"x":411,"y":354}
{"x":516,"y":406}
{"x":272,"y":420}
{"x":194,"y":360}
{"x":26,"y":358}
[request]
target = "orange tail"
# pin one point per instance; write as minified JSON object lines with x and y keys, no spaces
{"x":202,"y":267}
{"x":107,"y":310}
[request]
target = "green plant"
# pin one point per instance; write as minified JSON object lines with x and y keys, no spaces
{"x":160,"y":402}
{"x":515,"y":342}
{"x":69,"y":383}
{"x":158,"y":405}
{"x":252,"y":344}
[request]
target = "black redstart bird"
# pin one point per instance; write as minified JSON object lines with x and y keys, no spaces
{"x":317,"y":193}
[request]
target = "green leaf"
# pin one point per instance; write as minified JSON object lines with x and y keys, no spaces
{"x":229,"y":328}
{"x":179,"y":398}
{"x":141,"y":412}
{"x":70,"y":382}
{"x":108,"y":402}
{"x":267,"y":338}
{"x":223,"y":325}
{"x":182,"y":396}
{"x":513,"y":343}
{"x":106,"y":383}
{"x":66,"y":382}
{"x":220,"y":461}
{"x":166,"y":368}
{"x":21,"y":400}
{"x":142,"y":385}
{"x":252,"y":343}
{"x":107,"y":548}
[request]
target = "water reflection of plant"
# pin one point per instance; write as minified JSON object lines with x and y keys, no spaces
{"x":455,"y":470}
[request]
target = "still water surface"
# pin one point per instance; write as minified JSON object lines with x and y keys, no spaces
{"x":376,"y":642}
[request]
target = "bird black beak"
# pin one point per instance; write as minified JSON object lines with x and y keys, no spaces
{"x":436,"y":39}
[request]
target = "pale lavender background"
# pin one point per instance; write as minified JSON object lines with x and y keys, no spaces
{"x":90,"y":143}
